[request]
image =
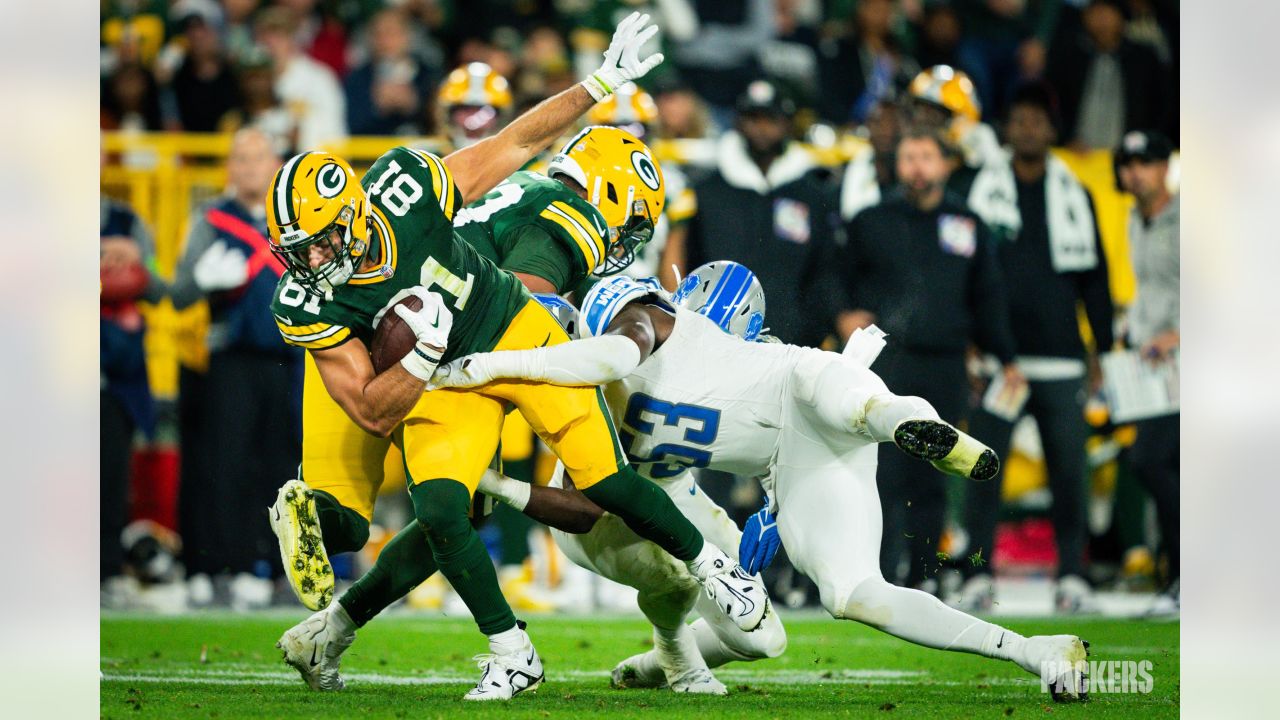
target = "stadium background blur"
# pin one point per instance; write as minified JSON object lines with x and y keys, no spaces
{"x":179,"y":77}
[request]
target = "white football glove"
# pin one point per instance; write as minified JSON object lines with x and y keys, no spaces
{"x":220,"y":268}
{"x":622,"y":61}
{"x":431,"y":325}
{"x":464,"y":372}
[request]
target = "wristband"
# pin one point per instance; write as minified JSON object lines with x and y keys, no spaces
{"x":421,"y":362}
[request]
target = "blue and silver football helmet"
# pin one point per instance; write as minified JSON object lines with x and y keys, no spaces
{"x":562,"y":310}
{"x":727,"y":293}
{"x":606,"y":299}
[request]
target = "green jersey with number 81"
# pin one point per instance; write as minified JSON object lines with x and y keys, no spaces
{"x":536,"y":225}
{"x":412,"y":201}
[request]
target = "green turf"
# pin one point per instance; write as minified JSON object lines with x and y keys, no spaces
{"x":417,"y":667}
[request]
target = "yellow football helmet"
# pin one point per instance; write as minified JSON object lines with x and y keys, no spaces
{"x":475,"y":100}
{"x":629,"y":108}
{"x":949,"y":89}
{"x":622,"y":180}
{"x":317,"y":209}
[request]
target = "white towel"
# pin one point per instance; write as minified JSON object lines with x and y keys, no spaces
{"x":994,"y":197}
{"x":860,"y":189}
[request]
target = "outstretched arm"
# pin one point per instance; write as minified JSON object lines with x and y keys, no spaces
{"x":480,"y":167}
{"x":591,"y":361}
{"x":563,"y":509}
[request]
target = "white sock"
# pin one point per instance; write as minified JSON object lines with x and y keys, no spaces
{"x":714,"y":652}
{"x":923,"y":619}
{"x":886,"y":411}
{"x":710,"y":561}
{"x":508,"y":641}
{"x":675,"y":650}
{"x":339,"y":618}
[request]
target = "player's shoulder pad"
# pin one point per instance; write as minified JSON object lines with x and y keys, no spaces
{"x":574,"y":221}
{"x":425,"y":170}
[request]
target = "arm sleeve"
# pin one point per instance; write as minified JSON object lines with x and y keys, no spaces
{"x":591,"y":361}
{"x":535,"y":252}
{"x":988,"y":300}
{"x":1094,"y":287}
{"x":183,"y":291}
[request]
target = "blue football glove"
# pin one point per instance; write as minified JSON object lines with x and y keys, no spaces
{"x":760,"y":540}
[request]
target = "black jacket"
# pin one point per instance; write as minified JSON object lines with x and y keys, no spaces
{"x":1042,"y":301}
{"x":931,"y":278}
{"x":1146,"y":85}
{"x":785,"y":236}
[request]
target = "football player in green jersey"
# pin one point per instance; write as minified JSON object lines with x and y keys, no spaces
{"x":354,"y":250}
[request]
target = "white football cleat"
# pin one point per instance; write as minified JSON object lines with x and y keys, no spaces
{"x":739,"y":596}
{"x":948,"y":449}
{"x":314,"y":647}
{"x":637,"y":672}
{"x":297,"y":527}
{"x":1061,"y":662}
{"x":698,"y":681}
{"x":508,"y":674}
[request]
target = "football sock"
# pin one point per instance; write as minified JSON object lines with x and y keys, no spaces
{"x":441,"y":507}
{"x":676,"y":650}
{"x":342,"y":529}
{"x":648,"y":511}
{"x":341,"y":620}
{"x":508,"y":641}
{"x":405,"y":561}
{"x":923,"y":619}
{"x":886,"y":411}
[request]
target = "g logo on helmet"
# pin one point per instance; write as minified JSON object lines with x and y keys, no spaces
{"x":645,"y":168}
{"x":330,"y":180}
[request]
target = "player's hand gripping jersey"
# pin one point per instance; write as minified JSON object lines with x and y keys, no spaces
{"x":412,"y":204}
{"x":536,"y":225}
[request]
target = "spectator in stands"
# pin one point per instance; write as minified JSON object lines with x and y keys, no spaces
{"x":938,"y":36}
{"x":681,"y":113}
{"x":237,"y":28}
{"x":1142,"y":168}
{"x":765,"y":208}
{"x":319,"y":33}
{"x":790,"y":59}
{"x":1052,"y":261}
{"x":307,"y":88}
{"x":204,"y":86}
{"x":1108,"y":83}
{"x":1005,"y":42}
{"x":388,"y":95}
{"x":125,"y":250}
{"x":922,"y":267}
{"x":859,"y":70}
{"x":259,"y":106}
{"x":872,"y":174}
{"x":252,"y":391}
{"x":716,"y":49}
{"x":130,"y":100}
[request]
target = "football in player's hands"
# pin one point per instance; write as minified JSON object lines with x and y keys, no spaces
{"x":393,"y":338}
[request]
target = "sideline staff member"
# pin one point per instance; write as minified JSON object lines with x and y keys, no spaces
{"x":922,"y":267}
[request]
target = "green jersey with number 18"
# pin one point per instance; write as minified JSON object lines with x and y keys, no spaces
{"x":412,"y":201}
{"x":536,"y":225}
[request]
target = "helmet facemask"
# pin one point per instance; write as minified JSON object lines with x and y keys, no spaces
{"x":335,"y":240}
{"x":625,"y":242}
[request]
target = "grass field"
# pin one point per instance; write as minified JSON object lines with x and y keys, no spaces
{"x":226,"y":666}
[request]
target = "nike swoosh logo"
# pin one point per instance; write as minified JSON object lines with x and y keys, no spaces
{"x":547,"y":340}
{"x":1001,"y":643}
{"x":314,"y":661}
{"x":436,"y":323}
{"x":532,"y":654}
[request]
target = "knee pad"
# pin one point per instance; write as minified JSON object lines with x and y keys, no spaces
{"x":441,"y":508}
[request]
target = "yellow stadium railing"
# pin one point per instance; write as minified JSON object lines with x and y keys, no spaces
{"x":164,"y":177}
